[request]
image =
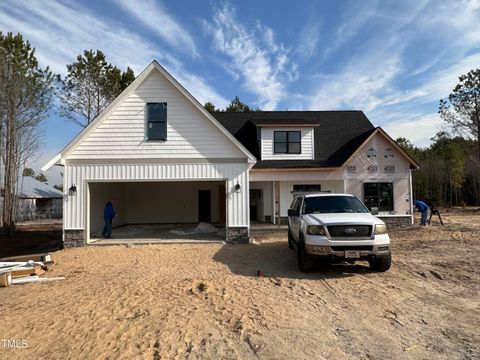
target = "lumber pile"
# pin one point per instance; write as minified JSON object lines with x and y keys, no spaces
{"x":25,"y":269}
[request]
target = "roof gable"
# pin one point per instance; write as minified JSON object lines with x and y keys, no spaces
{"x":154,"y":69}
{"x":380,"y":132}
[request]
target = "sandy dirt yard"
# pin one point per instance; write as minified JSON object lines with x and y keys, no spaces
{"x":206,"y":301}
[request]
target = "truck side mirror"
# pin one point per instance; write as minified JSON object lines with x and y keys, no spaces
{"x":374,"y":211}
{"x":292,"y":212}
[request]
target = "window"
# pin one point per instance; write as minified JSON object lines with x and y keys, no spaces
{"x":332,"y":204}
{"x":157,"y":121}
{"x":379,"y":195}
{"x":287,"y":142}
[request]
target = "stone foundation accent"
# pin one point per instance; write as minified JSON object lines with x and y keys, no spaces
{"x":237,"y":235}
{"x":73,"y":238}
{"x":395,"y":222}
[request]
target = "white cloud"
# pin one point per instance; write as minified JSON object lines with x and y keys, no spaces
{"x":359,"y":85}
{"x":381,"y":77}
{"x":418,"y":130}
{"x":253,"y":54}
{"x":60,"y":30}
{"x":153,"y":15}
{"x":309,"y":37}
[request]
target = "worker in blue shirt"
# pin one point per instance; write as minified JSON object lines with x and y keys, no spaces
{"x":423,"y":208}
{"x":108,"y":215}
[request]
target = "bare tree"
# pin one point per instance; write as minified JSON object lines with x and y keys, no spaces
{"x":26,"y":92}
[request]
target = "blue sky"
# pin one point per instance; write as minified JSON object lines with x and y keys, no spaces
{"x":392,"y":59}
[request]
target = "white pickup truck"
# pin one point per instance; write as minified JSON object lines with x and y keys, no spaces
{"x":337,"y":227}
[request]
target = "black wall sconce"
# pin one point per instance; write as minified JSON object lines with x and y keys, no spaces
{"x":237,"y":187}
{"x":73,"y":190}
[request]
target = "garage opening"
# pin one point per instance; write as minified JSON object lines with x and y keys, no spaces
{"x":159,"y":211}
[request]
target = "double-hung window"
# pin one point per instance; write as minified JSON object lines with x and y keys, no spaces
{"x":157,"y":121}
{"x":287,"y":142}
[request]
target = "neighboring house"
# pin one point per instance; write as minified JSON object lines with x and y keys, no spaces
{"x":37,"y":200}
{"x":165,"y":159}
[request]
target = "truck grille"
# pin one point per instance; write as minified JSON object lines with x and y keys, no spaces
{"x":343,"y":248}
{"x":349,"y":231}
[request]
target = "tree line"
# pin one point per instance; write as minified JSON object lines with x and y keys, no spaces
{"x":450,"y":167}
{"x":449,"y":173}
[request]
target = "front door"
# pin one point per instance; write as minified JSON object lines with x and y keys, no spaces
{"x":204,"y":205}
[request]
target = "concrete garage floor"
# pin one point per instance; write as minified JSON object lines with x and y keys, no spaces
{"x":158,"y":233}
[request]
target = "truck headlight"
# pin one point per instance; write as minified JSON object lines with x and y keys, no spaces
{"x":380,"y":229}
{"x":315,"y":230}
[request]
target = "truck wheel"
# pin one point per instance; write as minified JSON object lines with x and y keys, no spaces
{"x":381,"y":263}
{"x":290,"y":241}
{"x":305,"y":262}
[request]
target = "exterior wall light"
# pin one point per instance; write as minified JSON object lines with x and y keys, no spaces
{"x":237,"y":188}
{"x":73,"y":190}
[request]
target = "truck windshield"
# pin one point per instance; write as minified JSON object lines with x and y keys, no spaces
{"x":333,"y":204}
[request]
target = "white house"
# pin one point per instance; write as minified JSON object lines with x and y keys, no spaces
{"x":167,"y":160}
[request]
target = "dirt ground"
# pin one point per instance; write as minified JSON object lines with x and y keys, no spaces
{"x":206,"y":301}
{"x":33,"y":237}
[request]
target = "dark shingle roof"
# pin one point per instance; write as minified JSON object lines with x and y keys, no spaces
{"x":337,"y":136}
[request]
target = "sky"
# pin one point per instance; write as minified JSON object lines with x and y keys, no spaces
{"x":392,"y":59}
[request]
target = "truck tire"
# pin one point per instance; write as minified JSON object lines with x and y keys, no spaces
{"x":305,"y":263}
{"x":290,"y":241}
{"x":381,"y":263}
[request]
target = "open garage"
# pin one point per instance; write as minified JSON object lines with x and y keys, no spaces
{"x":159,"y":210}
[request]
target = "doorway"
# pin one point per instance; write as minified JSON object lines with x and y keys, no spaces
{"x":204,"y":205}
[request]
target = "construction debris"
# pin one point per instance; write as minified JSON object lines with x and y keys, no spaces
{"x":201,"y":228}
{"x":25,"y":269}
{"x":35,"y":278}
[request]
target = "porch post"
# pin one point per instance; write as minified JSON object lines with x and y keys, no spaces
{"x":274,"y":208}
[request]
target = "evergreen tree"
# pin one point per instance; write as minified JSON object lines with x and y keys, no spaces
{"x":25,"y":97}
{"x":90,"y":86}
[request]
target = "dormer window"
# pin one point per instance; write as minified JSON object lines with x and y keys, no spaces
{"x":287,"y":142}
{"x":157,"y":121}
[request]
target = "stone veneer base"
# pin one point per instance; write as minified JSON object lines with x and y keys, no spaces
{"x":73,"y":238}
{"x":237,"y":235}
{"x":395,"y":222}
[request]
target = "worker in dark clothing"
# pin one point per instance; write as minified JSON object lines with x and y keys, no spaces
{"x":423,"y":209}
{"x":108,"y":215}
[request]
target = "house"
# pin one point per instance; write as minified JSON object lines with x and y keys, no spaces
{"x":37,"y":200}
{"x":165,"y":159}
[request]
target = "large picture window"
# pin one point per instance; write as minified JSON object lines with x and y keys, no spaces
{"x":379,"y":195}
{"x":287,"y":142}
{"x":157,"y":121}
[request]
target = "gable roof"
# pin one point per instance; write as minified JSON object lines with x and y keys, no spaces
{"x":379,"y":130}
{"x":337,"y":134}
{"x":154,"y":65}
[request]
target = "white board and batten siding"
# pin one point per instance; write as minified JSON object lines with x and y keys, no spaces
{"x":75,"y":206}
{"x":307,"y":145}
{"x":116,"y":149}
{"x":122,"y":134}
